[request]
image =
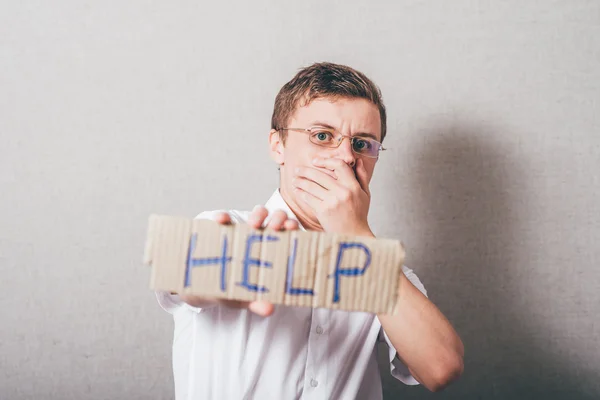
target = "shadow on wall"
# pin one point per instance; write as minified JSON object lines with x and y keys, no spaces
{"x":467,"y":202}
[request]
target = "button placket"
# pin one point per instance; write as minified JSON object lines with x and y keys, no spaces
{"x":317,"y":346}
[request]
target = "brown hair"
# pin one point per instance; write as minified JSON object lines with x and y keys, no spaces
{"x":324,"y":80}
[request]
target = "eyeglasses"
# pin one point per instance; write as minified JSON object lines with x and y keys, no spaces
{"x":326,"y":137}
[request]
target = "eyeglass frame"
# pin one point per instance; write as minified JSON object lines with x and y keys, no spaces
{"x":339,"y":142}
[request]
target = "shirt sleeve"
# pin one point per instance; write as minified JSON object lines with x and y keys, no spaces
{"x":397,"y":367}
{"x":172,"y":302}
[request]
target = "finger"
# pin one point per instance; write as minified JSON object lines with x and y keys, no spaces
{"x":311,"y":187}
{"x":223,"y":218}
{"x":291,"y":225}
{"x":318,"y":176}
{"x":362,"y":176}
{"x":261,"y":307}
{"x":277,"y":219}
{"x":309,"y":199}
{"x":343,"y":171}
{"x":257,"y":217}
{"x":334,"y":188}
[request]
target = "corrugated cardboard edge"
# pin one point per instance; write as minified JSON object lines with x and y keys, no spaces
{"x":152,"y":228}
{"x":392,"y":306}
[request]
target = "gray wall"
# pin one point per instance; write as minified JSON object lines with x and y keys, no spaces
{"x":110,"y":111}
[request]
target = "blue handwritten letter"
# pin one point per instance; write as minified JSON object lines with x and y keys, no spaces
{"x":197,"y":262}
{"x":248,"y":262}
{"x":290,"y":274}
{"x":348,"y":271}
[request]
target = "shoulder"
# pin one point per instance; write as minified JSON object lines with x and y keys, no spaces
{"x":237,"y":216}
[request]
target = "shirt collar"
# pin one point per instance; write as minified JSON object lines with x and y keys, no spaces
{"x":276,"y":202}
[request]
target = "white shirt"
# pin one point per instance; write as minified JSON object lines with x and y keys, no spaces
{"x":297,"y":353}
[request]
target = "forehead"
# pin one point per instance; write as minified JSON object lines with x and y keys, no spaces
{"x":352,"y":115}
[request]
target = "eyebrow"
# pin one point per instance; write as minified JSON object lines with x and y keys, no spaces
{"x":326,"y":125}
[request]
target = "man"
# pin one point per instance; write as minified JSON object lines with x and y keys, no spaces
{"x":327,"y":127}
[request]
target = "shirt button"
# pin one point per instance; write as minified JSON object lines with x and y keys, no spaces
{"x":319,"y":330}
{"x":314,"y":382}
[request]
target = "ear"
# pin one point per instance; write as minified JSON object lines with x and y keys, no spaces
{"x":276,"y":147}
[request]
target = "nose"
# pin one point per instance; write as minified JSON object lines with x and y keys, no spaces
{"x":345,"y":153}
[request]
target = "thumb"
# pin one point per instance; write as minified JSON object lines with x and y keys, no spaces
{"x":261,"y":307}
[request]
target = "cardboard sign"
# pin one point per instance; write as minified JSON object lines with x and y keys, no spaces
{"x":296,"y":268}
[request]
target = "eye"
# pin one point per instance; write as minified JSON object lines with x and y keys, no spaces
{"x":362,"y":145}
{"x":323,"y":136}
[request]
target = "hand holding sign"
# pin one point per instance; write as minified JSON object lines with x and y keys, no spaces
{"x":279,"y":221}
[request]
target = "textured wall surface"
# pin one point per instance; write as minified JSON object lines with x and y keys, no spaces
{"x":110,"y":111}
